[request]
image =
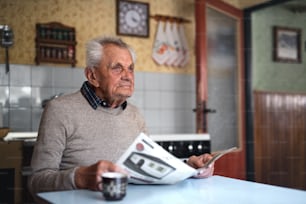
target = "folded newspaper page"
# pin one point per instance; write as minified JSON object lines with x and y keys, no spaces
{"x":149,"y":163}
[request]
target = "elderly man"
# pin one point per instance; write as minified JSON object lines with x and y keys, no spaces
{"x":83,"y":134}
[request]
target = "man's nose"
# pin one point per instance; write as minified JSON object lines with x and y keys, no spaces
{"x":127,"y":74}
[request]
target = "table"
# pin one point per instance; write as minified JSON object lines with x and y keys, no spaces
{"x":215,"y":189}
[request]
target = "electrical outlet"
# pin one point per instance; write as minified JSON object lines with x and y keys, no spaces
{"x":184,"y":145}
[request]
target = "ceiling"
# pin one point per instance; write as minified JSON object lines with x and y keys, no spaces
{"x":297,"y":6}
{"x":242,"y":4}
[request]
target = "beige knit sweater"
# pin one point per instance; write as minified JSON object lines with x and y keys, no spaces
{"x":72,"y":134}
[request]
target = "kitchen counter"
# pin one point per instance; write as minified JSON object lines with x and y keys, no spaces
{"x":20,"y":136}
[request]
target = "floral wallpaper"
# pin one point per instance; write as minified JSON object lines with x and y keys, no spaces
{"x":91,"y":18}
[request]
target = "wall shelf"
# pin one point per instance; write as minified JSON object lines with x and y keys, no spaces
{"x":55,"y":43}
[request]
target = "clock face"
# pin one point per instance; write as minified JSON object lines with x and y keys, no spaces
{"x":132,"y":18}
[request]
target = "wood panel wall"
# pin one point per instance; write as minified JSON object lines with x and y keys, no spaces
{"x":280,"y":139}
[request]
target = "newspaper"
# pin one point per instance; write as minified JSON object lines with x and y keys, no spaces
{"x":149,"y":163}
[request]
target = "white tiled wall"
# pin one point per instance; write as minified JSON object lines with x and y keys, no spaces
{"x":166,"y":100}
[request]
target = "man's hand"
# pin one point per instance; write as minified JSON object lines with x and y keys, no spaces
{"x":198,"y":162}
{"x":89,"y":177}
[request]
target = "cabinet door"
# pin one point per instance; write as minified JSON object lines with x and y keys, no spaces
{"x":7,"y":185}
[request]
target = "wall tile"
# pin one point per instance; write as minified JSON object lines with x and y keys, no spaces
{"x":36,"y":116}
{"x":168,"y":82}
{"x":20,"y":75}
{"x":168,"y":100}
{"x":167,"y":119}
{"x":4,"y":96}
{"x":137,"y":99}
{"x":168,"y":130}
{"x":41,"y":76}
{"x":152,"y":100}
{"x":20,"y":119}
{"x":181,"y":100}
{"x":20,"y":96}
{"x":3,"y":75}
{"x":139,"y":81}
{"x":165,"y":100}
{"x":1,"y":115}
{"x":62,"y":77}
{"x":153,"y":118}
{"x":152,"y":81}
{"x":190,"y":99}
{"x":180,"y":118}
{"x":40,"y":94}
{"x":78,"y":77}
{"x":179,"y":83}
{"x":190,"y":83}
{"x":5,"y":117}
{"x":155,"y":130}
{"x":64,"y":90}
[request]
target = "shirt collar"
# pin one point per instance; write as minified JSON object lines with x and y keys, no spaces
{"x":93,"y":99}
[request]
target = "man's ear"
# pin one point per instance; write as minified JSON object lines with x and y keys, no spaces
{"x":91,"y":76}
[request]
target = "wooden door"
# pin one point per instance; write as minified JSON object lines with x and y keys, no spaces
{"x":210,"y":93}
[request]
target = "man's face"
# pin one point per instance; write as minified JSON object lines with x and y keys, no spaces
{"x":115,"y":75}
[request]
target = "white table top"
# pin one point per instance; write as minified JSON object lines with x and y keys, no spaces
{"x":216,"y":189}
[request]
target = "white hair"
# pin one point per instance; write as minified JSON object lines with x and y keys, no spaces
{"x":94,"y":50}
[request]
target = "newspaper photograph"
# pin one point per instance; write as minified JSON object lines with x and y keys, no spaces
{"x":148,"y":163}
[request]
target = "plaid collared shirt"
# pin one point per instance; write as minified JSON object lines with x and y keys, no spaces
{"x":93,"y":99}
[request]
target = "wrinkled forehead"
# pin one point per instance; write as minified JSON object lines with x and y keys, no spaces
{"x":121,"y":46}
{"x":113,"y":54}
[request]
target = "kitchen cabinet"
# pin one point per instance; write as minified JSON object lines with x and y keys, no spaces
{"x":10,"y":172}
{"x":27,"y":151}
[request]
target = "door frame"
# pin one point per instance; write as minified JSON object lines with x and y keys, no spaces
{"x":234,"y":164}
{"x":248,"y":84}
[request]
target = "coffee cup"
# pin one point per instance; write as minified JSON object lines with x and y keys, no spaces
{"x":114,"y":185}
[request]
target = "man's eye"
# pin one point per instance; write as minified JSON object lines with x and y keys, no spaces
{"x":131,"y":69}
{"x":117,"y":69}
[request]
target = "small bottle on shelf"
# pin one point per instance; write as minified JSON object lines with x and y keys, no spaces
{"x":70,"y":52}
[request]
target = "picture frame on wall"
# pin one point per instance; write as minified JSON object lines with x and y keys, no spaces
{"x":287,"y":44}
{"x":132,"y":18}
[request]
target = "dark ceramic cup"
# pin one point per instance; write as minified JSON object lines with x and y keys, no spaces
{"x":114,"y":185}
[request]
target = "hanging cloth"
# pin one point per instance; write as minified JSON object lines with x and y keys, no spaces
{"x":184,"y":43}
{"x":160,"y":52}
{"x":171,"y":44}
{"x":178,"y":45}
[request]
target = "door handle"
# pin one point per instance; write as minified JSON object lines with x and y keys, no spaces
{"x":206,"y":110}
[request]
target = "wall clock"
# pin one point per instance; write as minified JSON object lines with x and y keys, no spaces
{"x":132,"y":18}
